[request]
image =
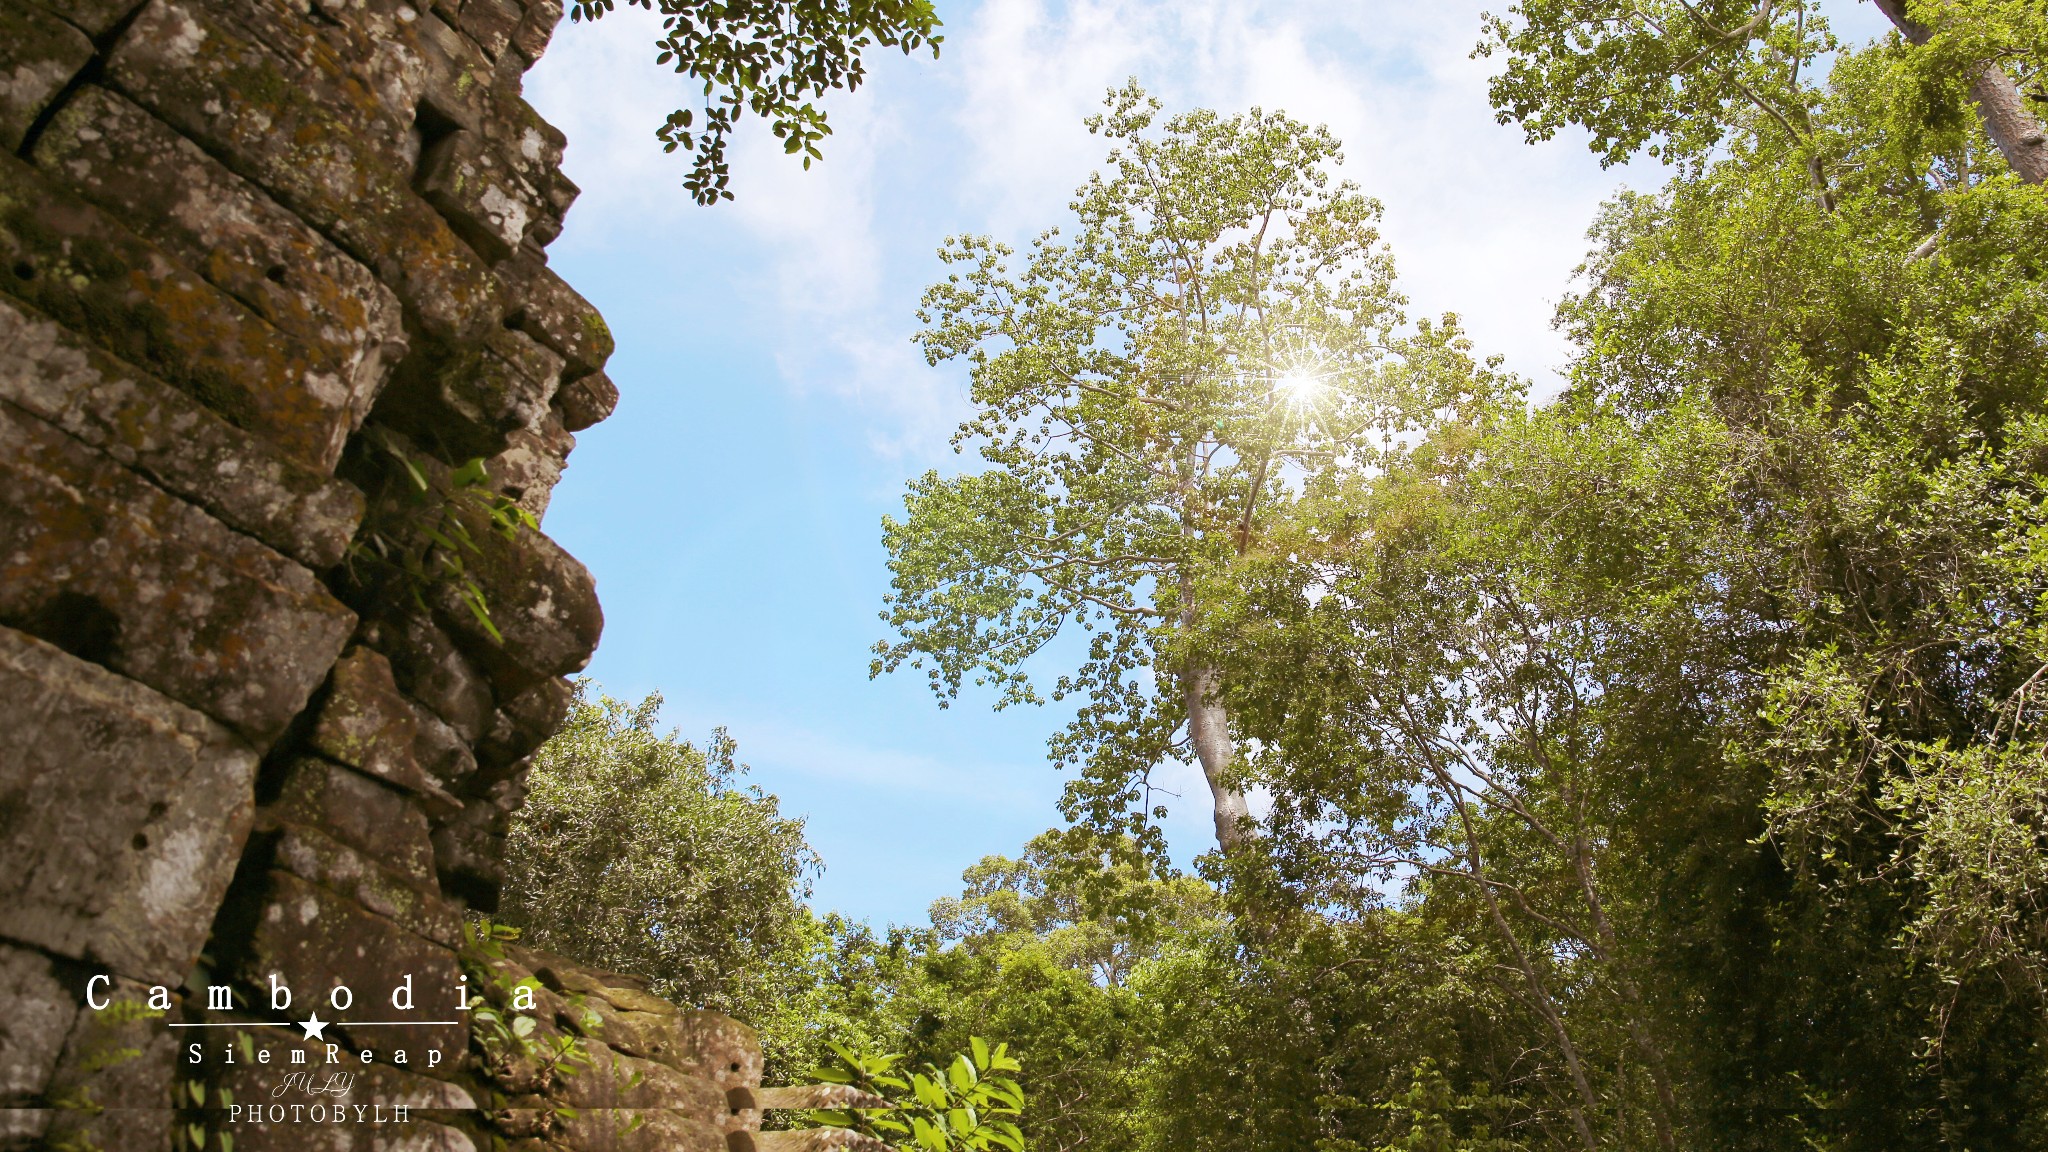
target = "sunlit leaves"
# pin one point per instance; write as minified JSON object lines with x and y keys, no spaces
{"x":970,"y":1105}
{"x":1672,"y":77}
{"x":772,"y":58}
{"x":1134,"y":432}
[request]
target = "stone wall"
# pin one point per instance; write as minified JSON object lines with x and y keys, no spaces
{"x":273,"y":650}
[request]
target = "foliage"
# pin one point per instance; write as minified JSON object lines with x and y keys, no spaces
{"x":1669,"y":76}
{"x":965,"y":1104}
{"x":512,"y":1043}
{"x":1430,"y":1109}
{"x":425,"y":539}
{"x":1223,"y":322}
{"x":1657,"y":766}
{"x":640,"y":852}
{"x":1692,"y":716}
{"x":771,"y":58}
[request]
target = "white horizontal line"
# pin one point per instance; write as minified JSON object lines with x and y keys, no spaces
{"x":330,"y":1023}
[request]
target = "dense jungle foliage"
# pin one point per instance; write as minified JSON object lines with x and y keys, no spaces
{"x":1657,"y":765}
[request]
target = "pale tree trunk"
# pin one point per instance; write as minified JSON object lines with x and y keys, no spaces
{"x":1209,"y":731}
{"x":2006,"y":118}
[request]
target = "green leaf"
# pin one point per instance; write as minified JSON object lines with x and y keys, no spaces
{"x":471,"y":474}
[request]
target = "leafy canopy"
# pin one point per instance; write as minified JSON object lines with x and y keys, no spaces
{"x":1667,"y":76}
{"x":640,"y":852}
{"x":1221,"y":325}
{"x":772,"y":58}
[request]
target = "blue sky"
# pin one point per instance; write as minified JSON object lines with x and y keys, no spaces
{"x":773,"y":406}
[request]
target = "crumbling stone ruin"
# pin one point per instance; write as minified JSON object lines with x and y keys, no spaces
{"x":281,"y":365}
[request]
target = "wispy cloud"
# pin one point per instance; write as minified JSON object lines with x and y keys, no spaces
{"x":781,"y":747}
{"x":990,"y":138}
{"x":823,"y":268}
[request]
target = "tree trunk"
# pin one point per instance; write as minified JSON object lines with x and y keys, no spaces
{"x":1539,"y":993}
{"x":1209,"y":729}
{"x":2006,"y":118}
{"x":1609,"y":953}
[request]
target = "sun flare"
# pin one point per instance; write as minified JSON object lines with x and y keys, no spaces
{"x":1298,"y":388}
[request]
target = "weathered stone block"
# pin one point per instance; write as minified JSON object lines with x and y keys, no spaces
{"x":802,"y":1097}
{"x":543,"y":602}
{"x":531,"y":149}
{"x":639,"y":1130}
{"x":432,"y":670}
{"x":586,"y":400}
{"x":557,"y":315}
{"x":464,"y":177}
{"x":457,"y":79}
{"x":316,"y":940}
{"x":536,"y":28}
{"x":441,"y":751}
{"x":521,"y":726}
{"x":117,"y":571}
{"x":707,"y":1045}
{"x":620,"y":991}
{"x":113,"y":1086}
{"x":716,"y":1047}
{"x":615,"y":1080}
{"x":469,"y":854}
{"x":39,"y":54}
{"x":532,"y":463}
{"x":314,"y":856}
{"x":172,"y":439}
{"x":807,"y":1140}
{"x":491,"y":23}
{"x":366,"y":724}
{"x":514,"y":384}
{"x":296,"y":116}
{"x":373,"y":818}
{"x":79,"y":266}
{"x":122,"y":814}
{"x":466,"y":405}
{"x":36,"y":1011}
{"x":231,"y":233}
{"x":93,"y":17}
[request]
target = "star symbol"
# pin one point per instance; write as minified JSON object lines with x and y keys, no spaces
{"x":313,"y":1027}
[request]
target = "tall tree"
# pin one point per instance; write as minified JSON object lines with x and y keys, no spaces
{"x":1976,"y":40}
{"x":1706,"y":689}
{"x":1219,"y":327}
{"x":1675,"y":77}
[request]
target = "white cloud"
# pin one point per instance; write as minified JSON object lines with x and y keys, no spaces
{"x":990,"y":138}
{"x":824,"y":267}
{"x":1481,"y":223}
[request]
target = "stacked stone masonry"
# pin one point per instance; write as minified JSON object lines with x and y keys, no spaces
{"x":273,"y":280}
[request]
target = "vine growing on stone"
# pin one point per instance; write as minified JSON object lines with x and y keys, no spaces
{"x":428,"y":540}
